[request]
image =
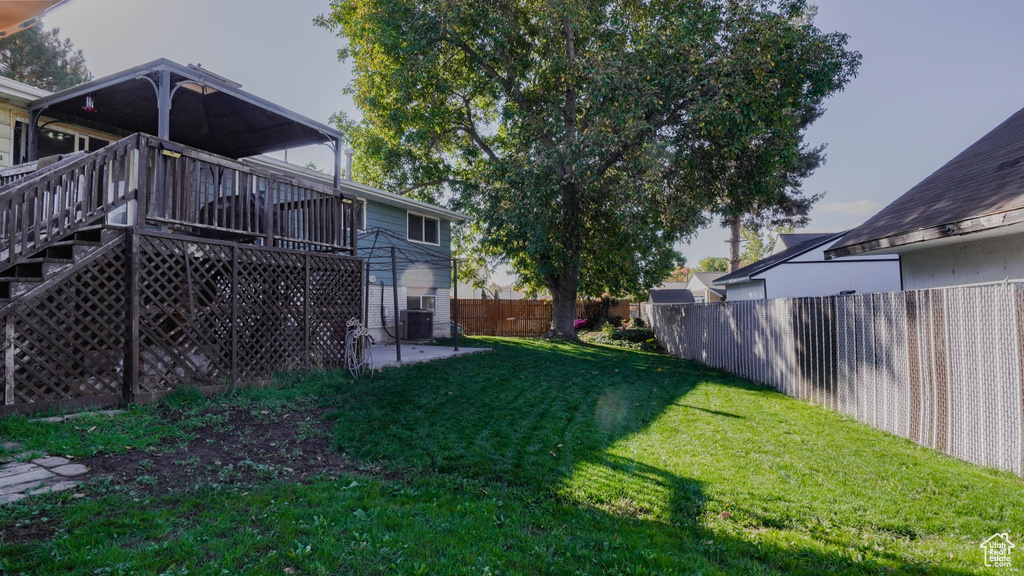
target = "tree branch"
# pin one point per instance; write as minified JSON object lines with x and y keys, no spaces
{"x":470,"y":129}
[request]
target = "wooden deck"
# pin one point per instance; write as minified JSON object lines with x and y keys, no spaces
{"x":147,"y":265}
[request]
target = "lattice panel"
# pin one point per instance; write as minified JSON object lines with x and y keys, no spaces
{"x":271,"y":308}
{"x":68,"y":343}
{"x":184,"y":313}
{"x":335,"y":296}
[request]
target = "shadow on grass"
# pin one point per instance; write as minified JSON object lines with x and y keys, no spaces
{"x":537,"y":419}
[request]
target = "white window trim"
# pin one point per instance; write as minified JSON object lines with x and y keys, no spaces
{"x":424,"y":216}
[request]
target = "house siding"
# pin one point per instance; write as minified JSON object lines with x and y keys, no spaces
{"x":393,"y":219}
{"x":968,"y":262}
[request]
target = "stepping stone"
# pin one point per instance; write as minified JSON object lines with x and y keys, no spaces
{"x":15,"y":468}
{"x":8,"y":498}
{"x":51,"y":461}
{"x":55,"y":487}
{"x":50,"y":419}
{"x":10,"y":446}
{"x":34,"y":476}
{"x":70,"y":470}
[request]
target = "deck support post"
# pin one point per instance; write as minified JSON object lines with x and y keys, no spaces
{"x":234,"y":314}
{"x":163,"y":102}
{"x":394,"y":294}
{"x":307,"y":353}
{"x":336,"y":144}
{"x":9,"y":360}
{"x":130,"y":373}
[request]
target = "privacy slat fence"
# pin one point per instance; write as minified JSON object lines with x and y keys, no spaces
{"x":147,"y":312}
{"x":941,"y":367}
{"x":521,"y":318}
{"x":514,"y":318}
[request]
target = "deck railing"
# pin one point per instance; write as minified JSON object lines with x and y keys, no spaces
{"x":213,"y":196}
{"x":144,"y":181}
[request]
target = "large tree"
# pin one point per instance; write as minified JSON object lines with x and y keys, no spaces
{"x":586,"y":137}
{"x":42,"y":59}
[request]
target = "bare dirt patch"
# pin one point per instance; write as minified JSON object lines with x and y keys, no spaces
{"x":233,"y":445}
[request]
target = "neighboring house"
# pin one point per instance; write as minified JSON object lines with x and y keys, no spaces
{"x":705,"y":287}
{"x":801,"y":270}
{"x":421,"y":233}
{"x":963,"y":224}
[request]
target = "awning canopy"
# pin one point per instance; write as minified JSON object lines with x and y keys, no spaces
{"x":206,"y":111}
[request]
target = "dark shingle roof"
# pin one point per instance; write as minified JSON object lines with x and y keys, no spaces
{"x":747,"y":272}
{"x":790,"y":240}
{"x":984,"y":180}
{"x":709,"y":279}
{"x":668,"y":296}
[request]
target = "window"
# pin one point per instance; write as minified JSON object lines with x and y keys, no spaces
{"x":424,"y":229}
{"x":52,"y":141}
{"x":421,"y":302}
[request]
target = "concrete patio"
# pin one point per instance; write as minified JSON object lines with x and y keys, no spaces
{"x":385,"y":355}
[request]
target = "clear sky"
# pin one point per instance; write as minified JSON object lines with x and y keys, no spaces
{"x":936,"y":76}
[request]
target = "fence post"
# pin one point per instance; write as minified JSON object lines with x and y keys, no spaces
{"x":130,"y":374}
{"x":234,"y":313}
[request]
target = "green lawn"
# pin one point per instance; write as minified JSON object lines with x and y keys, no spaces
{"x":536,"y":458}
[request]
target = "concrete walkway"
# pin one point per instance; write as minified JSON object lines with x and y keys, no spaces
{"x":385,"y":355}
{"x":20,"y":480}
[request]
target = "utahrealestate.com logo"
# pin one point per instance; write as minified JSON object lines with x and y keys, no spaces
{"x":997,"y":550}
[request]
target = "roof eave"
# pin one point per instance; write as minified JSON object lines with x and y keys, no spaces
{"x":20,"y":91}
{"x":947,"y":230}
{"x":810,"y":245}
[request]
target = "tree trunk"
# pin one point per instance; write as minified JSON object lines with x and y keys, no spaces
{"x":734,"y":244}
{"x":563,"y":306}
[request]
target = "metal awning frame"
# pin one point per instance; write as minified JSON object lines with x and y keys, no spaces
{"x":158,"y":74}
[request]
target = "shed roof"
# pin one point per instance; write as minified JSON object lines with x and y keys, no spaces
{"x":982,"y":188}
{"x":748,"y":272}
{"x":671,"y":296}
{"x":207,"y":112}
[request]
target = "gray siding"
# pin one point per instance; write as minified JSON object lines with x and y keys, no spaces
{"x":429,"y":275}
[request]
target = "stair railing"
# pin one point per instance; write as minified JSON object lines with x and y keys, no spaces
{"x":47,"y":206}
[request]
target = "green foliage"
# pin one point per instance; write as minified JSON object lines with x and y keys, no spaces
{"x":42,"y":59}
{"x":680,"y":274}
{"x":634,"y":337}
{"x":712,"y":264}
{"x":586,"y":138}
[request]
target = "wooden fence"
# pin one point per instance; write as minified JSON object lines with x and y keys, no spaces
{"x":521,"y":318}
{"x":941,"y":367}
